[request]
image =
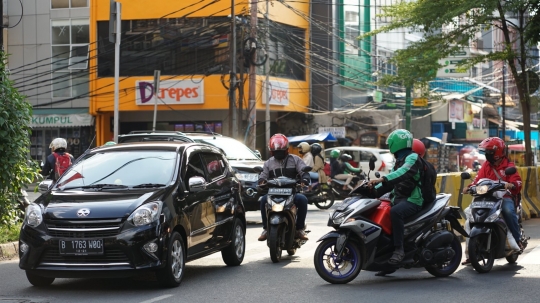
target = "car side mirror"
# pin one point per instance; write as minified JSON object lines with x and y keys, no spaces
{"x":510,"y":170}
{"x":44,"y":186}
{"x":197,"y":184}
{"x":307,"y":169}
{"x":372,"y":163}
{"x":258,"y":169}
{"x":465,"y":176}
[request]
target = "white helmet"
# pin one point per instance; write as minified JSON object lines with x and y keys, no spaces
{"x":58,"y":143}
{"x":304,"y":147}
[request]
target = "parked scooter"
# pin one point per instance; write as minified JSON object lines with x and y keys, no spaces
{"x":362,"y":238}
{"x":281,"y":214}
{"x":319,"y":194}
{"x":489,"y":232}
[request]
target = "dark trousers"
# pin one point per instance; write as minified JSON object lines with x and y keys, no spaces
{"x":301,"y":203}
{"x":401,"y":210}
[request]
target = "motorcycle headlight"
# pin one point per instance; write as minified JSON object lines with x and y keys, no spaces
{"x":482,"y":189}
{"x":146,"y":213}
{"x":340,"y":217}
{"x":247,"y":177}
{"x":34,"y":215}
{"x":493,"y":216}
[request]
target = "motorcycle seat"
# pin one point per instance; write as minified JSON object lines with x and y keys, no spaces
{"x":425,"y":208}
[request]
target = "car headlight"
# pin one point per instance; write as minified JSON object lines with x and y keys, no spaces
{"x":34,"y":215}
{"x":247,"y":177}
{"x":482,"y":189}
{"x":146,"y":213}
{"x":493,"y":216}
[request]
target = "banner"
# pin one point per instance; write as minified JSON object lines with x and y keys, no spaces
{"x":278,"y":92}
{"x":71,"y":120}
{"x":170,"y":92}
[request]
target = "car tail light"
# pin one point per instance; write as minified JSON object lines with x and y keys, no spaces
{"x":382,"y":166}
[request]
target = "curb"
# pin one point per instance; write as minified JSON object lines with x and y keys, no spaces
{"x":9,"y":250}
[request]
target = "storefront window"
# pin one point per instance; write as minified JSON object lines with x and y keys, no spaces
{"x":69,"y":39}
{"x":78,"y":140}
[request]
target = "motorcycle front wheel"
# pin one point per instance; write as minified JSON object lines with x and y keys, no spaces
{"x":447,"y":268}
{"x":329,"y":195}
{"x":274,"y":242}
{"x":481,"y":259}
{"x":337,"y":270}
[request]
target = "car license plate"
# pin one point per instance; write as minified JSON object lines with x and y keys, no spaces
{"x":81,"y":246}
{"x":279,"y":191}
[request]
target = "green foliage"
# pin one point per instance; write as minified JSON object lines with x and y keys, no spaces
{"x":9,"y":233}
{"x":15,"y":169}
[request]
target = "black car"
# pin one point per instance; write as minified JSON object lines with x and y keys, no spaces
{"x":241,"y":157}
{"x":129,"y":208}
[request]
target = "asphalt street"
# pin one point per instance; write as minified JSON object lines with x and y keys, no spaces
{"x":294,"y":279}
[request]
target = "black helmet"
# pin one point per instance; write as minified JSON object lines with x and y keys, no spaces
{"x":316,"y":149}
{"x":346,"y":158}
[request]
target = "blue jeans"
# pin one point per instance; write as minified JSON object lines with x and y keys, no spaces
{"x":510,"y":217}
{"x":301,"y":203}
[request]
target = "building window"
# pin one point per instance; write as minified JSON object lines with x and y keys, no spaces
{"x":69,"y":40}
{"x":55,"y":4}
{"x":351,"y":16}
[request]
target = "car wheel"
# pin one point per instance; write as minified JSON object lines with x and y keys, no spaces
{"x":172,"y":274}
{"x":37,"y":280}
{"x":233,"y":255}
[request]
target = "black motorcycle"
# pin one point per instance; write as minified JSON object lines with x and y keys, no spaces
{"x":337,"y":185}
{"x":362,"y":238}
{"x":488,"y":236}
{"x":281,"y":214}
{"x":319,"y":194}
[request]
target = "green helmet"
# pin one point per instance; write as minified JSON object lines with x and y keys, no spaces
{"x":399,"y":139}
{"x":335,"y":153}
{"x":110,"y":143}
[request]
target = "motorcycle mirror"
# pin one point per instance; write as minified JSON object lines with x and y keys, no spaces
{"x":372,"y":163}
{"x":377,"y":174}
{"x":465,"y":176}
{"x":307,"y":169}
{"x":258,"y":169}
{"x":510,"y":170}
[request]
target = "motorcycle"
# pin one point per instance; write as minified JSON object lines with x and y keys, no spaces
{"x":489,"y":232}
{"x":337,"y":185}
{"x":319,"y":194}
{"x":362,"y":237}
{"x":281,"y":214}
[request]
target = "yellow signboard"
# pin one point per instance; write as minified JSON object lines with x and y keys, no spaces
{"x":420,"y":102}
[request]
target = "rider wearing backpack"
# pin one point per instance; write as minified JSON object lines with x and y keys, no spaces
{"x":58,"y":161}
{"x":405,"y":183}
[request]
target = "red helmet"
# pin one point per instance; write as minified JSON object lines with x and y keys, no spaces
{"x":278,"y":142}
{"x":419,"y":147}
{"x":492,"y":146}
{"x":213,"y":167}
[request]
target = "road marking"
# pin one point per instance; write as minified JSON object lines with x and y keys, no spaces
{"x":157,"y":299}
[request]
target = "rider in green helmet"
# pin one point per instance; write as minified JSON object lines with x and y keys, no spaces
{"x":404,"y":183}
{"x":338,"y":169}
{"x":109,"y":143}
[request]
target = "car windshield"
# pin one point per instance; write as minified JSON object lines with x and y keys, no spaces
{"x":121,"y":169}
{"x":233,"y":149}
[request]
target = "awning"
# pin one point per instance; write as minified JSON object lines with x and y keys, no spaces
{"x":59,"y":120}
{"x":324,"y":137}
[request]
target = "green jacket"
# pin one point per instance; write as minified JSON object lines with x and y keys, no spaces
{"x":350,"y":169}
{"x":403,"y":180}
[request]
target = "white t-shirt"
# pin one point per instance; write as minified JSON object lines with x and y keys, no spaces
{"x":308,"y":159}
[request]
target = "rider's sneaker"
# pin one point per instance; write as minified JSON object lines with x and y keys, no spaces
{"x":262,"y":237}
{"x":300,"y":234}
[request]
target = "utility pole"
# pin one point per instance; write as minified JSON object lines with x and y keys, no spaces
{"x":408,"y":107}
{"x":503,"y":111}
{"x":2,"y":28}
{"x":232,"y":85}
{"x":115,"y":29}
{"x":252,"y":120}
{"x":267,"y":82}
{"x":157,"y":77}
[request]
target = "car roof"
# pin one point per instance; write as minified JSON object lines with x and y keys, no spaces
{"x":151,"y":145}
{"x":149,"y":133}
{"x":359,"y":148}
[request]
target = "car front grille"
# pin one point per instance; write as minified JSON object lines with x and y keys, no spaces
{"x":83,"y":229}
{"x":52,"y":256}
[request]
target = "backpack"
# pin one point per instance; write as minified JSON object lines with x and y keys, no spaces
{"x":428,"y":177}
{"x":61,"y":164}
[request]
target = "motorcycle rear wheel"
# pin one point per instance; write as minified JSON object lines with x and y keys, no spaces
{"x":447,"y":268}
{"x":481,"y":260}
{"x":274,"y":242}
{"x":329,"y":267}
{"x":329,"y":199}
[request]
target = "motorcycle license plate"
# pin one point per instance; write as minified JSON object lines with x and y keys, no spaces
{"x":81,"y":247}
{"x":280,"y":191}
{"x":482,"y":204}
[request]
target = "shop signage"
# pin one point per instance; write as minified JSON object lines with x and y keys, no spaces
{"x":459,"y":111}
{"x":450,"y":65}
{"x":71,"y":120}
{"x":170,"y":92}
{"x":369,"y":139}
{"x":278,"y":92}
{"x":420,"y":102}
{"x":479,"y":134}
{"x":337,"y":132}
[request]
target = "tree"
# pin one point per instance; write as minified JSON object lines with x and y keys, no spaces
{"x":450,"y":26}
{"x":15,"y":169}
